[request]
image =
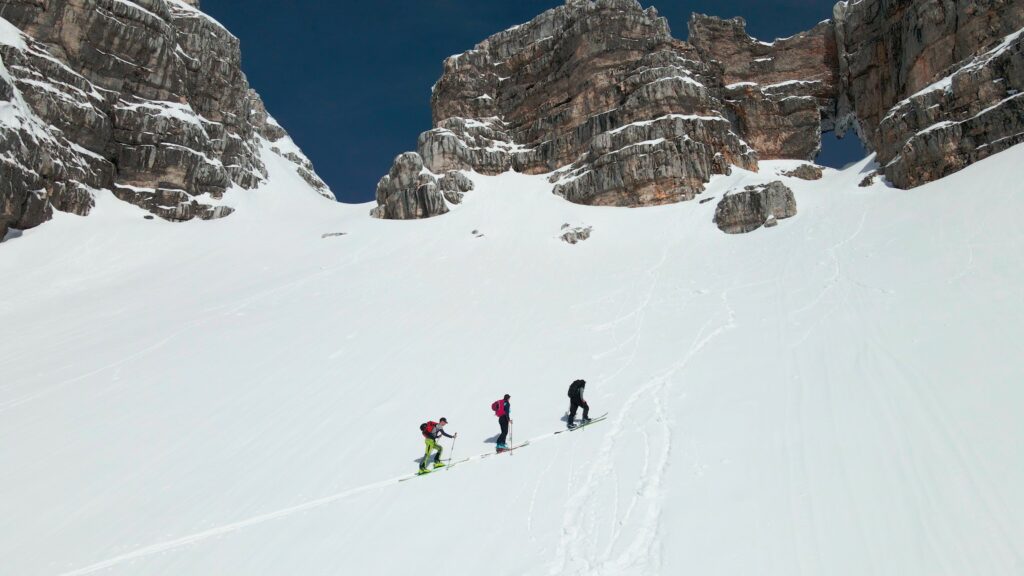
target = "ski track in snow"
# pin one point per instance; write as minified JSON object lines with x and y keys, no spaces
{"x":576,"y":505}
{"x":579,"y":541}
{"x":225,"y":529}
{"x":641,"y":555}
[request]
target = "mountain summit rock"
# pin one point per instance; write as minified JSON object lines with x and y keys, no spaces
{"x":145,"y":98}
{"x":600,"y":95}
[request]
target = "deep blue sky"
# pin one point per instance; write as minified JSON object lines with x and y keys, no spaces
{"x":350,"y":81}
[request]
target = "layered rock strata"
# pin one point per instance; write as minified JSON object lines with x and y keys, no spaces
{"x":601,"y":96}
{"x":754,"y":207}
{"x":932,"y":86}
{"x":411,"y":190}
{"x":782,"y":94}
{"x":145,"y":98}
{"x":597,"y":93}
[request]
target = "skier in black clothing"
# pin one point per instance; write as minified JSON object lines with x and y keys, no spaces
{"x":576,"y":400}
{"x":503,"y":410}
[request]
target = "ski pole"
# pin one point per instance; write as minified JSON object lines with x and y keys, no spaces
{"x":511,"y":439}
{"x":452,"y":452}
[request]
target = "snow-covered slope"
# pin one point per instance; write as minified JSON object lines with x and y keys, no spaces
{"x":837,"y":395}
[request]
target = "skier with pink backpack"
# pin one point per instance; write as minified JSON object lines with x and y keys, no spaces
{"x":503,"y":410}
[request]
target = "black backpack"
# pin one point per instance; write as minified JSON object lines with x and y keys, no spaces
{"x":574,"y":388}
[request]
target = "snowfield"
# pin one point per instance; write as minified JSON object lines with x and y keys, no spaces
{"x":839,"y":395}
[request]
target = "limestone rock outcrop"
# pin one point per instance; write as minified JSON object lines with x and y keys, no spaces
{"x":932,"y":86}
{"x":454,"y":185}
{"x":597,"y":93}
{"x":601,"y":96}
{"x":868,"y":180}
{"x":805,"y":172}
{"x":408,"y":191}
{"x":145,"y":98}
{"x":411,"y":190}
{"x":754,"y":207}
{"x":575,"y":234}
{"x":781,"y":94}
{"x":651,"y":162}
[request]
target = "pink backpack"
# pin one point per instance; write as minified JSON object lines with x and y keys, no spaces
{"x":499,"y":407}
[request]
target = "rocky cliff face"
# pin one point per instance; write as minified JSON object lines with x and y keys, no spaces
{"x":739,"y":212}
{"x":601,"y":96}
{"x":144,"y":97}
{"x":933,"y":85}
{"x":781,"y":95}
{"x":597,"y":93}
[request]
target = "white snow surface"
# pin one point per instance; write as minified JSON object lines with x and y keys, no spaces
{"x":181,"y":7}
{"x":837,"y":395}
{"x":135,"y":6}
{"x":181,"y":111}
{"x":10,"y":35}
{"x":789,"y":83}
{"x":668,"y":117}
{"x":740,"y":85}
